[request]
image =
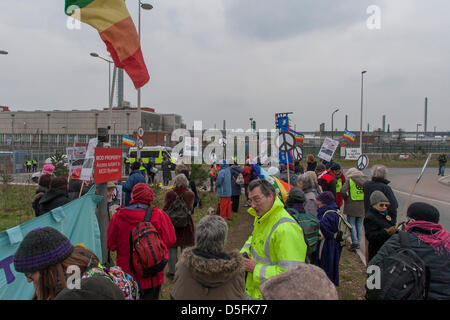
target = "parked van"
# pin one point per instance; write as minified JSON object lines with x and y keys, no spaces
{"x":156,"y":153}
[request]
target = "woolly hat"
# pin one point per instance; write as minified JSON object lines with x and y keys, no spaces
{"x":335,"y":166}
{"x":423,"y":211}
{"x":48,"y":169}
{"x":142,"y":193}
{"x":326,"y":197}
{"x":377,"y":197}
{"x":296,"y":195}
{"x":304,"y":282}
{"x":320,"y":167}
{"x":40,"y":249}
{"x":96,"y":287}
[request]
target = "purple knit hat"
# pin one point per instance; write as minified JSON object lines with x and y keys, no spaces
{"x":41,"y":248}
{"x":326,"y":197}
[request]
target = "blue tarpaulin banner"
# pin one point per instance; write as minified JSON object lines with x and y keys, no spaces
{"x":76,"y":220}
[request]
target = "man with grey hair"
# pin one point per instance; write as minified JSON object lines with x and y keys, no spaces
{"x":276,"y":243}
{"x":379,"y":182}
{"x":206,"y":272}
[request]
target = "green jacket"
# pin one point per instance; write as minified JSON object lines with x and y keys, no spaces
{"x":276,"y":244}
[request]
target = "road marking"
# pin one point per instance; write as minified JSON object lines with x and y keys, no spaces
{"x":425,"y":198}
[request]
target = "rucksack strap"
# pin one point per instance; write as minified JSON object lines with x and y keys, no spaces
{"x":148,"y":214}
{"x":404,"y":240}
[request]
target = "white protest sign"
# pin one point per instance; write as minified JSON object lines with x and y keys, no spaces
{"x":191,"y":146}
{"x":328,"y":148}
{"x":75,"y":158}
{"x":88,"y":164}
{"x":352,"y":153}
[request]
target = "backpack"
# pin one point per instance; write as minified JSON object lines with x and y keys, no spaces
{"x":147,"y":251}
{"x":404,"y":275}
{"x":310,"y":227}
{"x":178,"y":212}
{"x":240,"y":179}
{"x":344,"y":228}
{"x":120,"y":278}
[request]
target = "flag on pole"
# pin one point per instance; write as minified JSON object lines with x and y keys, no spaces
{"x":299,"y":137}
{"x":128,"y":141}
{"x":280,"y":186}
{"x":349,"y":135}
{"x":116,"y":28}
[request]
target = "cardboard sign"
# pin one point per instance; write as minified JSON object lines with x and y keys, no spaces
{"x":75,"y":158}
{"x":88,"y":164}
{"x":107,"y":164}
{"x":328,"y":148}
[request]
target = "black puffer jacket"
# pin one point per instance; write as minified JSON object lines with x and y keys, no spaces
{"x":52,"y":199}
{"x":439,"y":265}
{"x":375,"y":224}
{"x":40,"y":191}
{"x":381,"y":185}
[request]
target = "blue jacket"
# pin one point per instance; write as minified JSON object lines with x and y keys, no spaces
{"x":134,"y":178}
{"x":236,"y":189}
{"x":223,"y":182}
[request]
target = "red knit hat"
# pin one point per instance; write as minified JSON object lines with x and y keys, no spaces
{"x":142,"y":193}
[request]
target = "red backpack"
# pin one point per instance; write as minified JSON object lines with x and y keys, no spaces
{"x":147,"y":251}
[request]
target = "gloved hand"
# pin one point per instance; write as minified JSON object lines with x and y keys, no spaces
{"x":391,"y":230}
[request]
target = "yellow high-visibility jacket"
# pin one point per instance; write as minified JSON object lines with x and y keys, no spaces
{"x":276,"y":244}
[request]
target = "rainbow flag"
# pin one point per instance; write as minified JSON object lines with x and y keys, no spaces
{"x":349,"y":135}
{"x":116,"y":28}
{"x":128,"y":141}
{"x":299,"y":137}
{"x":281,"y":187}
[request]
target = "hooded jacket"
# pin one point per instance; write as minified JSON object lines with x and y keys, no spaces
{"x":40,"y":191}
{"x":375,"y":224}
{"x":122,"y":224}
{"x":236,"y":189}
{"x":52,"y":199}
{"x":381,"y":185}
{"x":200,"y":278}
{"x":353,"y":208}
{"x":134,"y":178}
{"x":223,"y":182}
{"x":276,"y":244}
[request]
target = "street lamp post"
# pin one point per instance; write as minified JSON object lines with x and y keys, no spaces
{"x":95,"y":55}
{"x":417,"y":130}
{"x":332,"y":123}
{"x":360,"y":123}
{"x":145,"y":6}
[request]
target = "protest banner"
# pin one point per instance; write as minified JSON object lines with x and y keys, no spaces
{"x":107,"y":165}
{"x":328,"y":148}
{"x":88,"y":164}
{"x":75,"y":158}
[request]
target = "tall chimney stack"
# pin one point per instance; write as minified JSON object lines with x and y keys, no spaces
{"x":426,"y":116}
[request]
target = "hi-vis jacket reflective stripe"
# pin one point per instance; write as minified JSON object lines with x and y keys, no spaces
{"x":276,"y":244}
{"x":356,"y":192}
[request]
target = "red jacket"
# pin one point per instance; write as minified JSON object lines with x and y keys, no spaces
{"x":246,"y":173}
{"x":120,"y":227}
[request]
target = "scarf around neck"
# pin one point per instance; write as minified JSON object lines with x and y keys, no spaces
{"x":437,"y":237}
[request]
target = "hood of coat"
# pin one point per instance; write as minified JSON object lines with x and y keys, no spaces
{"x":385,"y":181}
{"x":359,"y":180}
{"x":52,"y":194}
{"x":134,"y":213}
{"x":212,"y":273}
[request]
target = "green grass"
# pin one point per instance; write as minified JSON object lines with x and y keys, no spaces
{"x":15,"y":205}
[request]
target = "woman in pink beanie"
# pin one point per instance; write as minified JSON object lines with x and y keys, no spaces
{"x":48,"y":169}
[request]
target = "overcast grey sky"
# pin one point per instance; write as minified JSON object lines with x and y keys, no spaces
{"x":215,"y":60}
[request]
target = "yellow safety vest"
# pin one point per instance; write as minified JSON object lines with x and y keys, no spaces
{"x":276,"y":244}
{"x":339,"y":185}
{"x":356,"y":192}
{"x":28,"y":163}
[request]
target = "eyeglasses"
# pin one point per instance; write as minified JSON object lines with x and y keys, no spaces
{"x":384,"y":205}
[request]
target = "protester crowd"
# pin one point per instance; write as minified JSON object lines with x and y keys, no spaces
{"x":293,"y":245}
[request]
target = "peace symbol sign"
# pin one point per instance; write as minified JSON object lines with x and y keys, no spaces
{"x":285,"y":141}
{"x":298,"y":153}
{"x":362,"y":162}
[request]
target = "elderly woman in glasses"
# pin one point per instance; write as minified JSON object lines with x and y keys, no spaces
{"x":379,"y":225}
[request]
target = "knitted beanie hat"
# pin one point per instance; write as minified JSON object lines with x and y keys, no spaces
{"x":142,"y":193}
{"x":41,"y":248}
{"x":326,"y":197}
{"x":48,"y":169}
{"x":296,"y":195}
{"x":335,"y":166}
{"x":377,"y":196}
{"x":423,"y":211}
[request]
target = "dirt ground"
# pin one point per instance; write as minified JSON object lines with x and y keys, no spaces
{"x":352,"y":271}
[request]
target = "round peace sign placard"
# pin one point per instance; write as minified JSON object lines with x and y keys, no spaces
{"x":298,"y":153}
{"x":362,"y":162}
{"x":285,"y":142}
